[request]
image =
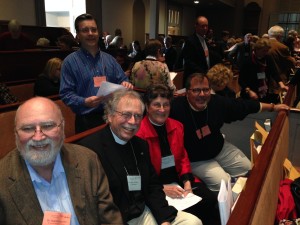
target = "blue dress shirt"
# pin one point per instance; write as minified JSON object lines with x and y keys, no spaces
{"x":54,"y":196}
{"x":77,"y":73}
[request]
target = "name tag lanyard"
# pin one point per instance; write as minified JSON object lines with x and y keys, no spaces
{"x":134,"y":181}
{"x":201,"y":132}
{"x":167,"y":159}
{"x":102,"y":67}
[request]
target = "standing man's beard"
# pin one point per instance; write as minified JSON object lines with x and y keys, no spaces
{"x":39,"y":157}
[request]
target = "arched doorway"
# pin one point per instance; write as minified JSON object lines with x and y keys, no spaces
{"x":251,"y":19}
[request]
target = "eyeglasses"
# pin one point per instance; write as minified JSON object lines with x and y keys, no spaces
{"x":197,"y":91}
{"x":159,"y":106}
{"x":88,"y":29}
{"x":129,"y":115}
{"x":47,"y":128}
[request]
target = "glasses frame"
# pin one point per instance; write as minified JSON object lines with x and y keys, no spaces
{"x":128,"y":115}
{"x":41,"y":130}
{"x":197,"y":91}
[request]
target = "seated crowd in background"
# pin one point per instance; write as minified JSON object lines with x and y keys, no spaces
{"x":14,"y":38}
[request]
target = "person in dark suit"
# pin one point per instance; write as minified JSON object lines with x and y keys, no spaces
{"x":133,"y":182}
{"x":170,"y":53}
{"x":43,"y":176}
{"x":198,"y":57}
{"x":241,"y":52}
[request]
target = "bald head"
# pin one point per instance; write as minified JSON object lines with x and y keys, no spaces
{"x":38,"y":107}
{"x":201,"y":25}
{"x":14,"y":28}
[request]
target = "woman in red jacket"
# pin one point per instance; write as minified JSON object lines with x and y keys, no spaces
{"x":168,"y":155}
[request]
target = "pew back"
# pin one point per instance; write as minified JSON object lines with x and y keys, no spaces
{"x":22,"y":91}
{"x":7,"y":137}
{"x":69,"y":117}
{"x":258,"y":201}
{"x":26,"y":64}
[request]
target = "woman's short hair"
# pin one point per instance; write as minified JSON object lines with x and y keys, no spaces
{"x":262,"y":43}
{"x":157,"y":90}
{"x":51,"y":66}
{"x":219,"y":76}
{"x":152,"y":46}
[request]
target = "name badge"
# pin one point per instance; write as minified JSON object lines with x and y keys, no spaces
{"x":98,"y":80}
{"x":56,"y":218}
{"x":261,"y":75}
{"x":167,"y":162}
{"x":206,"y":52}
{"x":203,"y":131}
{"x":134,"y":182}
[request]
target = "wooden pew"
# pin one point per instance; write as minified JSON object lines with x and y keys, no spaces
{"x":26,"y":64}
{"x":36,"y":32}
{"x":258,"y":201}
{"x":178,"y":80}
{"x":7,"y":137}
{"x":23,"y":90}
{"x":77,"y":137}
{"x":14,"y":106}
{"x":69,"y":117}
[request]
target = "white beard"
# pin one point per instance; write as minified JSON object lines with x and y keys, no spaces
{"x":39,"y":157}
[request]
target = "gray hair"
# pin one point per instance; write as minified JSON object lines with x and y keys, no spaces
{"x":14,"y":25}
{"x":276,"y":32}
{"x":113,"y":101}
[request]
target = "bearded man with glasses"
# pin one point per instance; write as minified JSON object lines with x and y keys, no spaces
{"x":133,"y":182}
{"x":202,"y":115}
{"x":45,"y":180}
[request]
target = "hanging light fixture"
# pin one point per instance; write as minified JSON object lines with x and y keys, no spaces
{"x":196,"y":2}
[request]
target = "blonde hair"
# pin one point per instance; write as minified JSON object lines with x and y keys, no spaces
{"x":51,"y":67}
{"x":219,"y":76}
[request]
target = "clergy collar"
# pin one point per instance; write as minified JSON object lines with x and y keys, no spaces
{"x":117,"y":139}
{"x":155,"y":124}
{"x":193,"y":108}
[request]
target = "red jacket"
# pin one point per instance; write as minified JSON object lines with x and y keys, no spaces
{"x":175,"y":138}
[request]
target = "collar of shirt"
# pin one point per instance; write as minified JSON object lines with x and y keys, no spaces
{"x":117,"y":139}
{"x":151,"y":57}
{"x":57,"y":170}
{"x":87,"y":53}
{"x":200,"y":37}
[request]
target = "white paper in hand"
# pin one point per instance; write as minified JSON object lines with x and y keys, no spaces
{"x":183,"y":203}
{"x":107,"y":88}
{"x":172,"y":75}
{"x":225,"y":201}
